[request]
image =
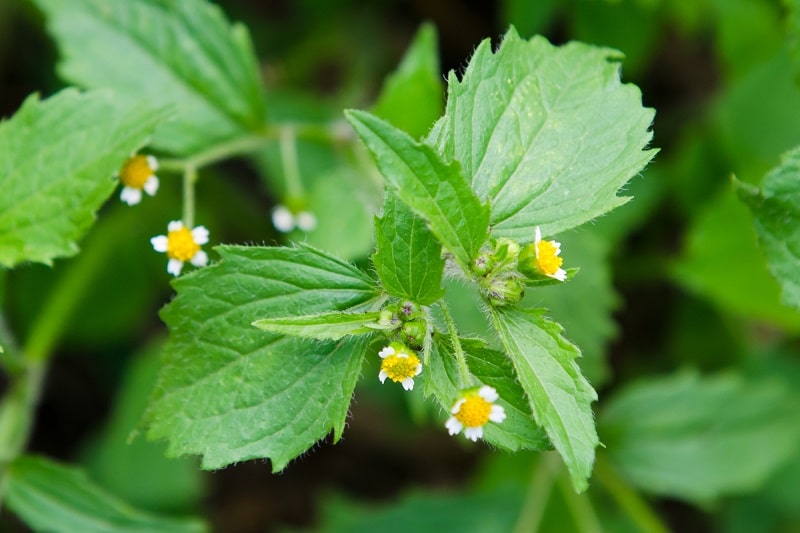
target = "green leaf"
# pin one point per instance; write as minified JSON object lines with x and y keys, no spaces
{"x":721,"y":235}
{"x":699,"y":439}
{"x":231,"y":392}
{"x":433,"y":189}
{"x":488,"y":367}
{"x":546,"y":134}
{"x":408,"y":259}
{"x":588,"y":320}
{"x":559,"y":395}
{"x":323,"y":326}
{"x":776,"y":213}
{"x":412,"y":96}
{"x":58,"y":157}
{"x":181,"y":53}
{"x":52,"y":497}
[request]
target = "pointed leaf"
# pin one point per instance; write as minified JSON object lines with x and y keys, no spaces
{"x":435,"y":190}
{"x":412,"y":97}
{"x":489,"y":367}
{"x":547,"y":134}
{"x":181,"y":53}
{"x":776,"y":210}
{"x":408,"y":258}
{"x":57,"y":159}
{"x":323,"y":326}
{"x":53,"y":497}
{"x":559,"y":395}
{"x":231,"y":392}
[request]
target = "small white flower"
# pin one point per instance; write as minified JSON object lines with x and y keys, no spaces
{"x":181,"y":245}
{"x":285,"y":221}
{"x":473,"y":410}
{"x":137,"y":175}
{"x":400,"y":365}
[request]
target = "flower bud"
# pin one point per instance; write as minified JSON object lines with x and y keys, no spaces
{"x":483,"y":264}
{"x":414,"y":332}
{"x":502,"y":292}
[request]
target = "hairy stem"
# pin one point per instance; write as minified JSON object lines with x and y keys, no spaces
{"x":463,"y":369}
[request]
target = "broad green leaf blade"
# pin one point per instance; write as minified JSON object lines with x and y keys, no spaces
{"x":699,"y":439}
{"x":559,"y":395}
{"x":181,"y":53}
{"x":776,"y":212}
{"x":408,"y":258}
{"x":53,"y":497}
{"x":231,"y":392}
{"x":488,"y":367}
{"x":589,"y":321}
{"x":547,"y":135}
{"x":57,"y":159}
{"x":412,"y":97}
{"x":435,"y":190}
{"x":723,"y":234}
{"x":323,"y":326}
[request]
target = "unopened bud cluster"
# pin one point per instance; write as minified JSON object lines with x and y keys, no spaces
{"x":503,"y":270}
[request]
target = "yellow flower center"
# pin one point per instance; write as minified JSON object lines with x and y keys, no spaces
{"x":135,"y":172}
{"x":474,"y":412}
{"x":399,"y":368}
{"x":181,"y":245}
{"x":546,"y":257}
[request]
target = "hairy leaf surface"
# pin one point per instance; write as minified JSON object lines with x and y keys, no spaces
{"x":57,"y":160}
{"x":408,"y":258}
{"x":488,"y":367}
{"x":229,"y":391}
{"x":546,"y":134}
{"x":433,"y":189}
{"x":559,"y":395}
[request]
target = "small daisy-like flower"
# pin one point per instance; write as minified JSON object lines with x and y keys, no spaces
{"x":473,"y":410}
{"x":547,"y":260}
{"x":285,"y":221}
{"x":399,"y":364}
{"x":182,"y":244}
{"x":137,"y":175}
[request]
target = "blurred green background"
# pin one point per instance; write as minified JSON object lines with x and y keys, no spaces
{"x":694,"y":357}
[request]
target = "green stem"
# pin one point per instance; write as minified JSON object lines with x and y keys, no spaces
{"x":254,"y":142}
{"x":539,"y":489}
{"x":291,"y":168}
{"x":628,"y":499}
{"x":219,"y":152}
{"x":580,"y":506}
{"x":463,"y":369}
{"x":189,"y":180}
